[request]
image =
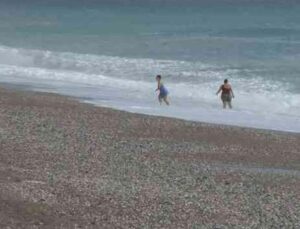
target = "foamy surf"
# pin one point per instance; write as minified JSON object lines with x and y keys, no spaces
{"x":128,"y":84}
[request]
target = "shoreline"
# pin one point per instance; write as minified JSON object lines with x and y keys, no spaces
{"x":67,"y":164}
{"x":29,"y":89}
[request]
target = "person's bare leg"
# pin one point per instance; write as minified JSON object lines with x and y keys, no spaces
{"x":224,"y":104}
{"x":230,"y":105}
{"x":160,"y":100}
{"x":166,"y":101}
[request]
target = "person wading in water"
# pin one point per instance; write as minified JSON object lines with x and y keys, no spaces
{"x":227,"y":94}
{"x":163,"y":92}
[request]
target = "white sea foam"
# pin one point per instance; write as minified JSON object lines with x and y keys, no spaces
{"x":128,"y":83}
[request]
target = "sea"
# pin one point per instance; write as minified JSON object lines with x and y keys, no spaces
{"x":108,"y":53}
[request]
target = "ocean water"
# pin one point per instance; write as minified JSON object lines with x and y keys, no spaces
{"x":108,"y":53}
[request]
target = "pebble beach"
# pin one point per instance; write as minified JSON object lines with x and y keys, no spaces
{"x":66,"y":164}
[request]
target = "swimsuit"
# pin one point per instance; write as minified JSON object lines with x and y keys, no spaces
{"x":163,"y":92}
{"x":226,"y":94}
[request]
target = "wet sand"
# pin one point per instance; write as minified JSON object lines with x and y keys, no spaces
{"x":64,"y":164}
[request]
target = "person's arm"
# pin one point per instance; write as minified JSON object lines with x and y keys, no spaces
{"x":232,"y":92}
{"x":220,"y":89}
{"x":158,"y":86}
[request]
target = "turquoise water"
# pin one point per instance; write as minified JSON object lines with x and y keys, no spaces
{"x":108,"y":53}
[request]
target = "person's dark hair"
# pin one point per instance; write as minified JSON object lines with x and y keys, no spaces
{"x":158,"y":76}
{"x":226,"y":81}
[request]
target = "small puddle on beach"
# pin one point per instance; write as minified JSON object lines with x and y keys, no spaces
{"x":243,"y":168}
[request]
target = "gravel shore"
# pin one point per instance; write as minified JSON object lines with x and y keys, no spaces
{"x":64,"y":164}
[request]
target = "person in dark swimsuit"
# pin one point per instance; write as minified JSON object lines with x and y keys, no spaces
{"x":227,"y":94}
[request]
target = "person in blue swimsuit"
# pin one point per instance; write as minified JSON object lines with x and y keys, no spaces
{"x":163,"y":92}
